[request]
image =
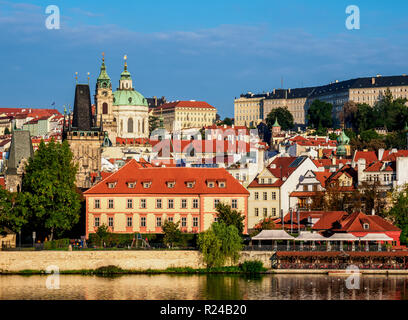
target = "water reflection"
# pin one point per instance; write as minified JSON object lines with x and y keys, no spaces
{"x":202,"y":287}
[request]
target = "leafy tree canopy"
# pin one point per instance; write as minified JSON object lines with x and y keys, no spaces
{"x":319,"y":114}
{"x":172,"y":233}
{"x":285,"y":118}
{"x":230,"y":217}
{"x":10,"y":217}
{"x":48,"y":189}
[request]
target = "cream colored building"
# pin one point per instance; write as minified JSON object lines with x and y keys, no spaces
{"x":179,"y":115}
{"x":253,"y":108}
{"x":135,"y":199}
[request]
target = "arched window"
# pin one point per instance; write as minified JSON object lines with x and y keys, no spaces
{"x":143,"y":126}
{"x":105,"y":108}
{"x":130,"y":125}
{"x":138,"y":128}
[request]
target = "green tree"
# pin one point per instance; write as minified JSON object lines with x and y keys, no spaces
{"x":319,"y":114}
{"x":153,"y":123}
{"x":103,"y":233}
{"x":227,"y":121}
{"x":7,"y":131}
{"x":49,"y":191}
{"x":220,"y":244}
{"x":285,"y":118}
{"x":10,"y":217}
{"x":368,"y":135}
{"x":230,"y":217}
{"x":172,"y":233}
{"x":333,"y":136}
{"x":396,"y":139}
{"x":399,"y":212}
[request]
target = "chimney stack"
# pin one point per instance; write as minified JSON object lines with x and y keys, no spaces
{"x":373,"y":212}
{"x":373,"y":81}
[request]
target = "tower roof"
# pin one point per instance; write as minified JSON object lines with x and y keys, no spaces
{"x":125,"y":75}
{"x":20,"y":148}
{"x":276,"y":124}
{"x":82,"y":118}
{"x":103,"y":75}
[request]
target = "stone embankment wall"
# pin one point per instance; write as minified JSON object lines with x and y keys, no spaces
{"x":129,"y":260}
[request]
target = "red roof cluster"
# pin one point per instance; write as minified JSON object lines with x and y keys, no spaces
{"x":313,"y":141}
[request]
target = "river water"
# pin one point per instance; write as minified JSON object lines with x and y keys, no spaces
{"x":203,"y":287}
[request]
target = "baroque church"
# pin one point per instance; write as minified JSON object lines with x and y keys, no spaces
{"x":124,"y":112}
{"x":119,"y":114}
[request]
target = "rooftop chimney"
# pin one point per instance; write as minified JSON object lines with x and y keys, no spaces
{"x":380,"y":153}
{"x":372,"y":212}
{"x":372,"y":81}
{"x":273,"y":90}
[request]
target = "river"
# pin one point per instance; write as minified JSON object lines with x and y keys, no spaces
{"x":203,"y":287}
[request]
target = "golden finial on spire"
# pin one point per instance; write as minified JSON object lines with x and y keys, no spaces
{"x":88,"y":76}
{"x":125,"y":57}
{"x":76,"y":77}
{"x":103,"y":56}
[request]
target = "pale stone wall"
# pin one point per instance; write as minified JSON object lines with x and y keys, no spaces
{"x":129,"y":260}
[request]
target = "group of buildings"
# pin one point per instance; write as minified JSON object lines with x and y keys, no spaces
{"x":250,"y":109}
{"x":133,"y":179}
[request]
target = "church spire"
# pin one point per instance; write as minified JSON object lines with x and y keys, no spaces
{"x":103,"y":80}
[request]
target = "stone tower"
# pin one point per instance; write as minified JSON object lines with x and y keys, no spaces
{"x":104,"y":103}
{"x":21,"y":149}
{"x":84,"y":138}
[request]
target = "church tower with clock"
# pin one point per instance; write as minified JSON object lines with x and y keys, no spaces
{"x":104,"y":103}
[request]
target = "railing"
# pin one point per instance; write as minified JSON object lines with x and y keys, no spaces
{"x":298,"y":247}
{"x":342,"y":266}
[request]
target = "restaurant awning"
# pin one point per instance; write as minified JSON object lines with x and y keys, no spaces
{"x":342,"y":237}
{"x":273,"y":235}
{"x":376,"y":237}
{"x":310,"y":236}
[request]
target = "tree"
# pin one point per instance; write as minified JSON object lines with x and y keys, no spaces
{"x":172,"y":233}
{"x":153,"y":123}
{"x":349,"y":115}
{"x":220,"y":244}
{"x":399,"y":212}
{"x":372,"y":197}
{"x":103,"y":233}
{"x":49,"y":191}
{"x":285,"y":118}
{"x":319,"y":114}
{"x":333,"y":136}
{"x":7,"y":131}
{"x":230,"y":217}
{"x":9,"y":216}
{"x":227,"y":121}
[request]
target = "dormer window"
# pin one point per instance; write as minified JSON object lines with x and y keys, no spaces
{"x":210,"y":184}
{"x":190,"y":184}
{"x":111,"y":185}
{"x":131,"y":184}
{"x":366,"y":226}
{"x":262,"y":181}
{"x":147,"y":184}
{"x":171,"y":184}
{"x":221,"y":184}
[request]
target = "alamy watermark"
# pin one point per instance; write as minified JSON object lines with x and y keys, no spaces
{"x":53,"y":280}
{"x":353,"y":20}
{"x":53,"y":20}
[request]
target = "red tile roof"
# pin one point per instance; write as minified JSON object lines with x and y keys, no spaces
{"x":131,"y":141}
{"x":381,"y":166}
{"x":392,"y":156}
{"x":160,"y":176}
{"x":369,"y":156}
{"x":185,"y":104}
{"x":355,"y":221}
{"x":200,"y":146}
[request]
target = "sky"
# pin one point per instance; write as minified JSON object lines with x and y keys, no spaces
{"x":195,"y":50}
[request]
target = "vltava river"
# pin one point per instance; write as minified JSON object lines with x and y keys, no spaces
{"x":204,"y":287}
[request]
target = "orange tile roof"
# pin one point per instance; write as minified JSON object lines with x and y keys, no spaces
{"x":160,"y":176}
{"x":354,"y":223}
{"x":184,"y":104}
{"x":388,"y":156}
{"x":369,"y":156}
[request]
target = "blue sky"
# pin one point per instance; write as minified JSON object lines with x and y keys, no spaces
{"x":208,"y":50}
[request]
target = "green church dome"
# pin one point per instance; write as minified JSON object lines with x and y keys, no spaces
{"x":128,"y":98}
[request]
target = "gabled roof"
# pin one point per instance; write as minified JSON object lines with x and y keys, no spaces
{"x":159,"y":177}
{"x":380,"y":166}
{"x":355,"y":221}
{"x":369,"y":156}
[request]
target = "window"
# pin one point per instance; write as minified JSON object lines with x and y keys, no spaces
{"x":183,"y":221}
{"x":216,"y":202}
{"x":265,"y":212}
{"x":146,"y":185}
{"x":256,"y":195}
{"x":305,"y":188}
{"x":143,"y":221}
{"x":97,"y":204}
{"x":270,"y":180}
{"x":221,"y":184}
{"x":274,"y":211}
{"x":111,"y":185}
{"x":195,"y":221}
{"x":110,"y":203}
{"x":143,"y":203}
{"x":265,"y":196}
{"x":129,"y":221}
{"x":129,"y":203}
{"x":105,"y":106}
{"x":195,"y":203}
{"x":96,"y":222}
{"x":234,"y":204}
{"x":171,"y":184}
{"x":256,"y":212}
{"x":158,"y":221}
{"x":158,"y":203}
{"x":366,"y":226}
{"x":131,"y":185}
{"x":170,"y":204}
{"x":110,"y":221}
{"x":273,"y":195}
{"x":262,"y":181}
{"x":210,"y":184}
{"x":190,"y":184}
{"x":170,"y":219}
{"x":216,"y":219}
{"x":183,"y":203}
